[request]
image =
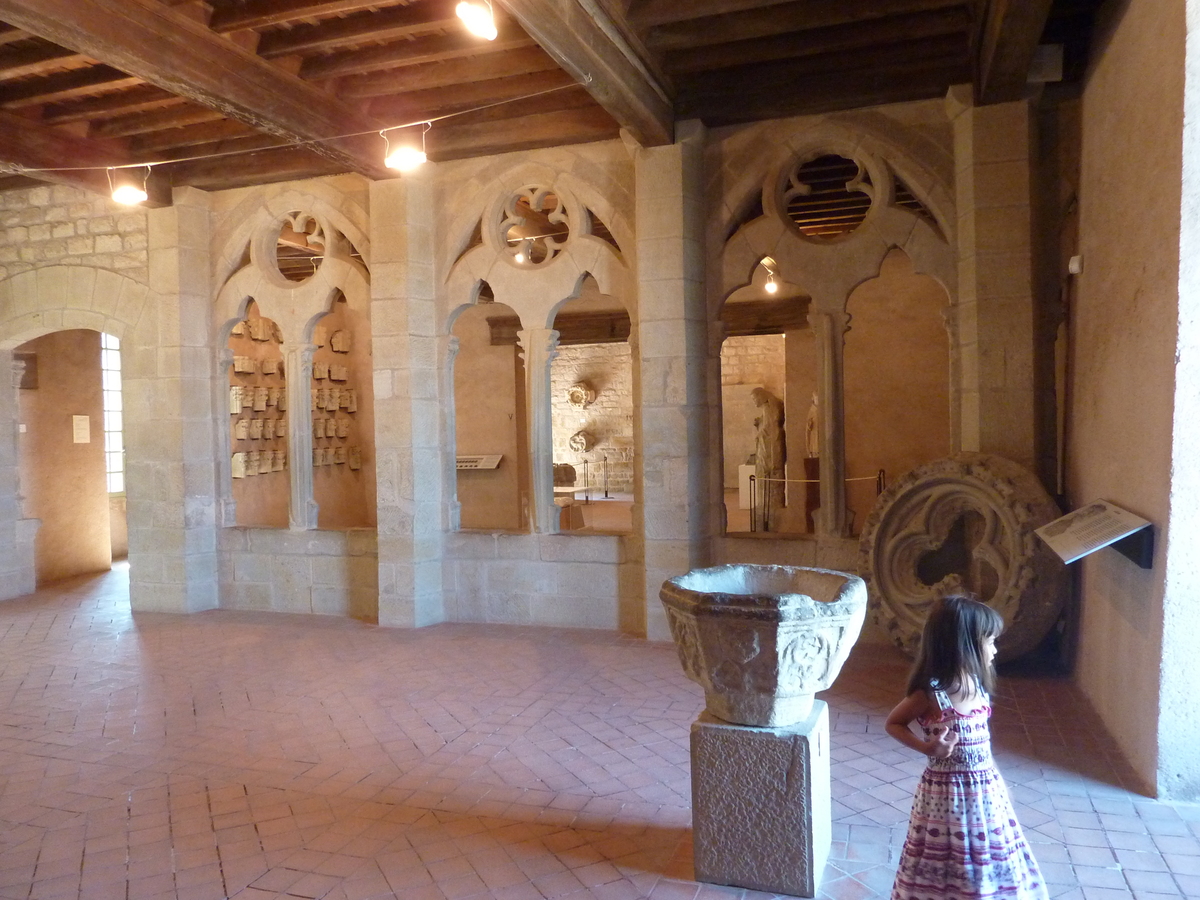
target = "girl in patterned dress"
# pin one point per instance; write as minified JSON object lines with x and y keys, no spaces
{"x":963,"y":841}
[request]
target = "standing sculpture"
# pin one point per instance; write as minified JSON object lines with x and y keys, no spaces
{"x":770,"y":455}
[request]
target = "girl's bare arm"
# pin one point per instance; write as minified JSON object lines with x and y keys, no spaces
{"x":908,"y":710}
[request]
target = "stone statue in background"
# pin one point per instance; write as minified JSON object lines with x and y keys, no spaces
{"x":770,"y":454}
{"x":812,"y":439}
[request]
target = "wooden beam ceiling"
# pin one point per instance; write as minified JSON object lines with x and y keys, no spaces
{"x":1010,"y":34}
{"x":149,"y":40}
{"x":578,"y":34}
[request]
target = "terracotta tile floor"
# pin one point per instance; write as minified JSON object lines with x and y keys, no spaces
{"x":258,"y":756}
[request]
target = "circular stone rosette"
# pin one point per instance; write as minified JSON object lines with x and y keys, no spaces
{"x":964,"y":523}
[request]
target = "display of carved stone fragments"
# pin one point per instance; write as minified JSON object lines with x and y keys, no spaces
{"x":581,"y":442}
{"x":273,"y":394}
{"x":338,"y":373}
{"x":320,"y":371}
{"x":243,"y":365}
{"x":241,"y":429}
{"x":327,"y":457}
{"x":581,"y":395}
{"x":237,"y":465}
{"x":318,"y":428}
{"x":354,"y":457}
{"x":268,"y":429}
{"x":252,"y":460}
{"x":278,"y":460}
{"x":260,"y":330}
{"x":260,"y":399}
{"x":265,"y":462}
{"x":318,"y":337}
{"x":315,"y":392}
{"x":270,"y":365}
{"x":316,"y":456}
{"x":339,"y":341}
{"x":256,"y":429}
{"x":339,"y":455}
{"x":332,"y":397}
{"x":281,"y":403}
{"x":343,"y":428}
{"x":762,"y":640}
{"x":281,"y":428}
{"x":239,"y":328}
{"x":352,"y":401}
{"x":247,"y":396}
{"x":964,"y":523}
{"x":235,"y":399}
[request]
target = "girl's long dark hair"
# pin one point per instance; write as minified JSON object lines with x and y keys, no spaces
{"x":952,"y":644}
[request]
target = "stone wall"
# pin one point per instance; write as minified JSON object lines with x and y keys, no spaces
{"x":66,"y":226}
{"x":608,"y":368}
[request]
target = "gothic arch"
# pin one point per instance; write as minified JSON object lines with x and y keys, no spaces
{"x":55,"y":298}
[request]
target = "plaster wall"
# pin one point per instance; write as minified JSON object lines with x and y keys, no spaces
{"x":897,"y":387}
{"x":489,"y":382}
{"x":1123,"y":340}
{"x":63,"y":482}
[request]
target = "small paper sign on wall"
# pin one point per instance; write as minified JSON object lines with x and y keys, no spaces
{"x":81,"y":428}
{"x":1089,"y":528}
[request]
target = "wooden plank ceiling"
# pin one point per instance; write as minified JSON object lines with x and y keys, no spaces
{"x":224,"y":93}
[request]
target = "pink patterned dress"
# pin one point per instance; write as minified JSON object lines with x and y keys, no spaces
{"x":963,"y":841}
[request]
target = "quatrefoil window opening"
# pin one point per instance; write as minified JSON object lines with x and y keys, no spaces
{"x":535,"y":226}
{"x":300,"y":246}
{"x":827,"y":197}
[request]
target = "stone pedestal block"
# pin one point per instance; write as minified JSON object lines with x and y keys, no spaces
{"x":761,"y":814}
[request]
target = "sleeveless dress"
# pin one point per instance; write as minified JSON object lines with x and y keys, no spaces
{"x":963,"y":841}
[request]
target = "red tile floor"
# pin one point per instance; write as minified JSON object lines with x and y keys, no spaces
{"x":256,"y":756}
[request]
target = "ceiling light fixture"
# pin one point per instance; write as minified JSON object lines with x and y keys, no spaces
{"x":127,"y":192}
{"x":406,"y":155}
{"x":477,"y":16}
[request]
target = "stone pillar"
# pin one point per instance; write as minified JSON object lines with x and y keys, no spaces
{"x":17,"y":573}
{"x":670,"y":378}
{"x":831,"y":329}
{"x":408,"y":402}
{"x":170,"y":420}
{"x":993,"y":150}
{"x":761,"y":811}
{"x":540,"y":346}
{"x":302,"y":508}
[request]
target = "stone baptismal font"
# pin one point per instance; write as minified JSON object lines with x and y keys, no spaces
{"x":761,"y":641}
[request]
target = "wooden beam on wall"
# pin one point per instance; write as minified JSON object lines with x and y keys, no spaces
{"x":1007,"y":41}
{"x":28,"y":145}
{"x":587,"y":45}
{"x":170,"y":50}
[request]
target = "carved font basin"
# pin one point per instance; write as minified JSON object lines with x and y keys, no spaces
{"x":762,"y":640}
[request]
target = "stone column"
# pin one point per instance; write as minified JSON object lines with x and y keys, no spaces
{"x":993,"y":149}
{"x":17,"y":573}
{"x":540,"y":346}
{"x":302,"y":508}
{"x":408,"y":402}
{"x":831,"y":329}
{"x":671,"y":423}
{"x":170,"y":420}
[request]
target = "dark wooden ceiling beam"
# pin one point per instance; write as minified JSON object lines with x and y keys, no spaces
{"x":818,"y":85}
{"x":145,"y":145}
{"x":64,"y":86}
{"x":813,"y":42}
{"x":229,"y":149}
{"x":38,"y":59}
{"x":10,"y":35}
{"x":229,"y":16}
{"x":420,"y":50}
{"x":144,"y":123}
{"x":149,"y":40}
{"x":28,"y":147}
{"x":364,"y":28}
{"x":585,"y":43}
{"x":447,"y":73}
{"x":781,"y":19}
{"x":263,"y":167}
{"x":140,"y":99}
{"x":455,"y":139}
{"x":415,"y":106}
{"x":645,"y":14}
{"x":1008,"y":38}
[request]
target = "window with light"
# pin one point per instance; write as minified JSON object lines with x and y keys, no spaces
{"x":114,"y":445}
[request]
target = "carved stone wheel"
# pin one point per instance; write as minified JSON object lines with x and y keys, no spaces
{"x":964,"y":523}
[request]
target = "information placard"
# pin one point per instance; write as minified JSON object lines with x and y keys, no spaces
{"x":1088,"y":529}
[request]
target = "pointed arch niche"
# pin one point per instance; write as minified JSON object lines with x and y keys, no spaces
{"x":896,"y":398}
{"x":490,"y":417}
